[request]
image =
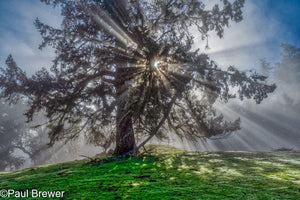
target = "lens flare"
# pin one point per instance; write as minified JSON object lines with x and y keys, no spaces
{"x":155,"y":64}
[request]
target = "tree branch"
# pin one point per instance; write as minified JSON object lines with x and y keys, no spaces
{"x":162,"y":121}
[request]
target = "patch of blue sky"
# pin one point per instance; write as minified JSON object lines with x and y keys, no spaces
{"x":266,"y":25}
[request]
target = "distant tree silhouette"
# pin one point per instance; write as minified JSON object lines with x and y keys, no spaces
{"x":287,"y":74}
{"x":18,"y":139}
{"x":288,"y":69}
{"x":130,"y":65}
{"x":265,"y":67}
{"x":11,"y":128}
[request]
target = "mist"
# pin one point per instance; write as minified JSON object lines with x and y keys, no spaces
{"x":274,"y":124}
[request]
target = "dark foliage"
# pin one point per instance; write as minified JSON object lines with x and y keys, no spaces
{"x":130,"y":65}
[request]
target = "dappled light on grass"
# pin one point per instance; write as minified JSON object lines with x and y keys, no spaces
{"x":169,"y":173}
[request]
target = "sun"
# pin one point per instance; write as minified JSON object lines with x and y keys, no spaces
{"x":155,"y":64}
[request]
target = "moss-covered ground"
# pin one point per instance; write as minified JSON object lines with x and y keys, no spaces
{"x":168,"y":173}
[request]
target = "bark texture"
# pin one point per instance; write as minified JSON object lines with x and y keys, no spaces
{"x":125,"y":140}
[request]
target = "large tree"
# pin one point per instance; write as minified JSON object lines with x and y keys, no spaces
{"x":129,"y":64}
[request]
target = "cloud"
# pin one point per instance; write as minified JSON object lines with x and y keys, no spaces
{"x":258,"y":36}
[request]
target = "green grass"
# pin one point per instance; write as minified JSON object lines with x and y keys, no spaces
{"x":169,"y":173}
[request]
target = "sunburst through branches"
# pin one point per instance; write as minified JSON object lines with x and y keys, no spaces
{"x":128,"y":64}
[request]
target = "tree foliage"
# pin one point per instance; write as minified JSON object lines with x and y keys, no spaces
{"x":135,"y":56}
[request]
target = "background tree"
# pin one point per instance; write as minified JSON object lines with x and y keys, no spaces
{"x":22,"y":144}
{"x":130,"y":65}
{"x":11,"y":128}
{"x":287,"y":75}
{"x":18,"y":141}
{"x":265,"y":67}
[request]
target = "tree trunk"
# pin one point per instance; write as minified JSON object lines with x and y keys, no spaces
{"x":125,"y":140}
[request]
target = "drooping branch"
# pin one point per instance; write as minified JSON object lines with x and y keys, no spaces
{"x":146,"y":48}
{"x":163,"y":119}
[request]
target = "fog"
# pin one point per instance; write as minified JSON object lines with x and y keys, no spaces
{"x":274,"y":124}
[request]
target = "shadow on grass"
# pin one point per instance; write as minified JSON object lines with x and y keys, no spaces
{"x":226,"y":175}
{"x":169,"y":173}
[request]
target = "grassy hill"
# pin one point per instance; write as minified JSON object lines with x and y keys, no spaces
{"x":169,"y":173}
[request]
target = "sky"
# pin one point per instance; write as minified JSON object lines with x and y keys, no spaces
{"x":19,"y":37}
{"x":266,"y":25}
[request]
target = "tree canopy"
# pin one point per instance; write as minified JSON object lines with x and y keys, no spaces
{"x":125,"y":69}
